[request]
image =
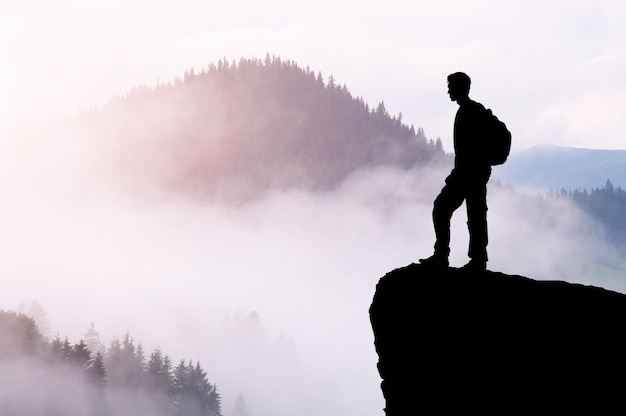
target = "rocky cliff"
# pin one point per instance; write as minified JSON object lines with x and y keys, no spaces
{"x":449,"y":341}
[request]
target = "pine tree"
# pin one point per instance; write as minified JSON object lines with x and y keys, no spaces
{"x":19,"y":335}
{"x":80,"y":355}
{"x":160,"y":381}
{"x":132,"y":363}
{"x":97,"y":371}
{"x":241,"y":408}
{"x":181,"y":388}
{"x":40,"y":316}
{"x":125,"y":369}
{"x":66,"y":350}
{"x":96,"y":380}
{"x":195,"y":396}
{"x":56,"y":348}
{"x":93,"y":341}
{"x":215,"y":402}
{"x":439,"y":145}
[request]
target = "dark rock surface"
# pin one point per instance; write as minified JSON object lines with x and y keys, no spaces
{"x":449,"y":341}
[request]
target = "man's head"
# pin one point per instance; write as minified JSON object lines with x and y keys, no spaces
{"x":458,"y":86}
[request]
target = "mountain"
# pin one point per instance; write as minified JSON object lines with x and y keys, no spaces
{"x":548,"y":167}
{"x":452,"y":342}
{"x":251,"y":126}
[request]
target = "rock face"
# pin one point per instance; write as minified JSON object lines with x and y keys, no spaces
{"x":449,"y":341}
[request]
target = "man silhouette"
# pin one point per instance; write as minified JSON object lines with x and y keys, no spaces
{"x":467,"y":181}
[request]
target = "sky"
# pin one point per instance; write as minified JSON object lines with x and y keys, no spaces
{"x":553,"y":71}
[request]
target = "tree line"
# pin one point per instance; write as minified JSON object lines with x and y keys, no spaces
{"x":118,"y":380}
{"x":606,"y":205}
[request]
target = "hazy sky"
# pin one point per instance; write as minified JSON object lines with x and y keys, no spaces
{"x":553,"y":70}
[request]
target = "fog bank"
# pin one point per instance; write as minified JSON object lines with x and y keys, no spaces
{"x":185,"y":274}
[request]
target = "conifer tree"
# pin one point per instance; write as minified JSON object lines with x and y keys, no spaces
{"x":66,"y":350}
{"x":93,"y":341}
{"x":113,"y":363}
{"x":56,"y":348}
{"x":80,"y":355}
{"x":240,"y":408}
{"x":439,"y":145}
{"x":160,"y":382}
{"x":195,"y":396}
{"x":19,"y":335}
{"x":181,"y":388}
{"x":96,"y":380}
{"x":40,"y":316}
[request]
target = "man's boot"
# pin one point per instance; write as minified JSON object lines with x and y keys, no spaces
{"x":475,"y":265}
{"x":436,"y":261}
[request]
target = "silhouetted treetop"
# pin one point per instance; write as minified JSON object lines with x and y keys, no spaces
{"x":253,"y":124}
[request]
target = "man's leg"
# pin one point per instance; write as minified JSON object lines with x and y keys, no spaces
{"x":477,"y":219}
{"x":449,"y":199}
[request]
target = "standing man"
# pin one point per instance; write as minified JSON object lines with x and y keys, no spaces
{"x":467,"y":181}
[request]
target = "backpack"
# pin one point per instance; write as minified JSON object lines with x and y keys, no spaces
{"x":498,"y":140}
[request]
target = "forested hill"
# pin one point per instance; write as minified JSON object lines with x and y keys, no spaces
{"x":255,"y":124}
{"x":41,"y":377}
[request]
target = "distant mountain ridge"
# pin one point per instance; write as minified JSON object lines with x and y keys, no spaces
{"x":250,"y":126}
{"x":549,"y":167}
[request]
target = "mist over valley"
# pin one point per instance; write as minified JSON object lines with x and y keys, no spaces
{"x":241,"y":216}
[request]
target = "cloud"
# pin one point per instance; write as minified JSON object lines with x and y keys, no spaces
{"x":52,"y":395}
{"x":169,"y":269}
